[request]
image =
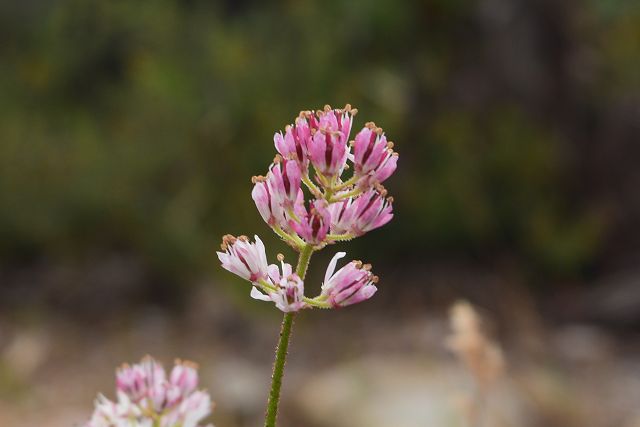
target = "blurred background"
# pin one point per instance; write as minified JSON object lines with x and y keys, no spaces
{"x":128,"y":135}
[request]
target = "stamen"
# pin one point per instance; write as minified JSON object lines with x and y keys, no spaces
{"x":381,"y":189}
{"x":227,"y":239}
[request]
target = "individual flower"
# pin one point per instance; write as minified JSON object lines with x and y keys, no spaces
{"x":328,"y":149}
{"x":240,"y":256}
{"x":356,"y":216}
{"x":313,"y":224}
{"x":140,"y":380}
{"x":373,"y":156}
{"x":146,"y":383}
{"x":285,"y":178}
{"x":184,"y":377}
{"x":351,"y":284}
{"x":146,"y":398}
{"x":268,"y":204}
{"x":116,"y":414}
{"x":286,"y":290}
{"x":339,"y":120}
{"x":293,"y":144}
{"x":328,"y":152}
{"x":190,"y":411}
{"x":277,"y":194}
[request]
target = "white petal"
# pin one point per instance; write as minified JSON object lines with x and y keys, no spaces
{"x":256,"y":294}
{"x":274,"y":273}
{"x":287,"y":270}
{"x":262,"y":252}
{"x":332,"y":265}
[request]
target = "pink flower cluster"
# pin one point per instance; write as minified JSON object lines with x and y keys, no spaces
{"x":318,"y":142}
{"x":147,"y":398}
{"x":314,"y":152}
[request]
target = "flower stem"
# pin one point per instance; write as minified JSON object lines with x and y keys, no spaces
{"x":283,"y":345}
{"x":312,"y":187}
{"x":278,"y":370}
{"x":294,"y":240}
{"x":303,"y":261}
{"x":346,"y":184}
{"x":343,"y":196}
{"x":340,"y":237}
{"x":317,"y":302}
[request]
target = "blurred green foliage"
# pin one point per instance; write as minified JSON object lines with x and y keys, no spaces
{"x":135,"y":126}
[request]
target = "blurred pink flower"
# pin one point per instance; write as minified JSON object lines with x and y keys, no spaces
{"x":145,"y":398}
{"x":140,"y":380}
{"x":351,"y":284}
{"x":184,"y":377}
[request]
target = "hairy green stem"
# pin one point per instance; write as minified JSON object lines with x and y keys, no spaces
{"x":283,"y":346}
{"x":340,"y":237}
{"x":343,"y":196}
{"x":303,"y":261}
{"x":295,"y":241}
{"x":312,"y":187}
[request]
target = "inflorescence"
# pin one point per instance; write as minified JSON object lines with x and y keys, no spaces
{"x":314,"y":152}
{"x":146,"y":397}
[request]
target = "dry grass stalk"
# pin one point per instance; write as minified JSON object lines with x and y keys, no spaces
{"x":480,"y":356}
